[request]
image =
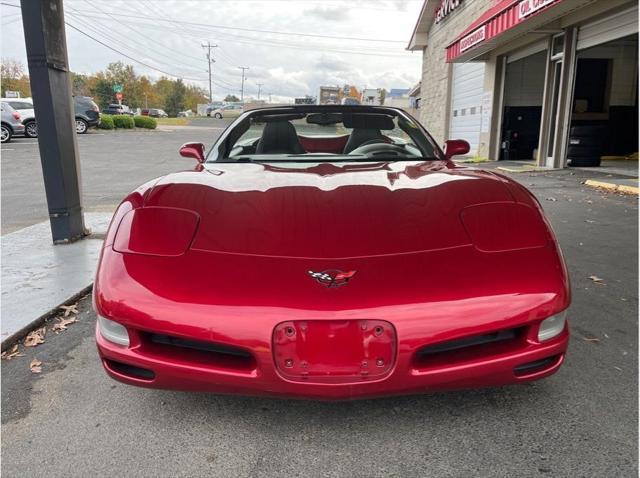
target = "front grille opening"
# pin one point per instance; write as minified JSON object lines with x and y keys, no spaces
{"x":535,"y":366}
{"x":199,"y":352}
{"x":469,"y":348}
{"x":130,"y":370}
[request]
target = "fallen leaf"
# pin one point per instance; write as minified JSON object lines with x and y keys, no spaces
{"x":589,"y":221}
{"x":597,"y":280}
{"x":551,"y":199}
{"x":14,"y":352}
{"x":35,"y":366}
{"x":69,"y":309}
{"x":591,"y":339}
{"x":35,"y":338}
{"x":62,"y":324}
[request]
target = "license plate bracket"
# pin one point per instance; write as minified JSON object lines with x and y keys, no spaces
{"x":334,"y":351}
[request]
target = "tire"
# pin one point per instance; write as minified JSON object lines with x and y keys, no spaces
{"x":6,"y":134}
{"x":81,"y":126}
{"x":217,"y":116}
{"x":584,"y":152}
{"x":592,"y":162}
{"x":31,"y":129}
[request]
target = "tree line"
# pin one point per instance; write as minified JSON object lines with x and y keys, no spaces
{"x":138,"y":91}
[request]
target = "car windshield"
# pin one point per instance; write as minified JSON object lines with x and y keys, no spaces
{"x":337,"y":135}
{"x":21,"y":105}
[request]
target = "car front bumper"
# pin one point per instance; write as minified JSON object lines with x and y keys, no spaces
{"x":163,"y":366}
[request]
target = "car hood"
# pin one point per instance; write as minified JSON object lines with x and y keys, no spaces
{"x":328,"y":210}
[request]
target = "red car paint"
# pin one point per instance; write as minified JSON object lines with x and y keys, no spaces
{"x":438,"y":253}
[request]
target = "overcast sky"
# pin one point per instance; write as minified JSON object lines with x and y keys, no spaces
{"x":167,"y":35}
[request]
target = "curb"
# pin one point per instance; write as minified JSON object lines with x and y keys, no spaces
{"x":623,"y":188}
{"x":17,"y":336}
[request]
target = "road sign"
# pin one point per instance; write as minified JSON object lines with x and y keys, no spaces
{"x":117,"y":88}
{"x":119,"y":96}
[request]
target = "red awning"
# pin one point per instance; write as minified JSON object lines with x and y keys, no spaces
{"x":496,"y":20}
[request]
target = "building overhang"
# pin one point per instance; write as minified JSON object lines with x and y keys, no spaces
{"x":421,"y":31}
{"x":506,"y":21}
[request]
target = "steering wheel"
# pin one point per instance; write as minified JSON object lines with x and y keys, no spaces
{"x":375,"y":147}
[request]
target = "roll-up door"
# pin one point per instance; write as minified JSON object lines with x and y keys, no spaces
{"x":466,"y":101}
{"x":612,"y":27}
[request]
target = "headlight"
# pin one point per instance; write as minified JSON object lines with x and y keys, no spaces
{"x":552,"y":326}
{"x":113,"y":331}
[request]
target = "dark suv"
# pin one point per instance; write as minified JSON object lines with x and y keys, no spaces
{"x":87,"y":113}
{"x":116,"y":109}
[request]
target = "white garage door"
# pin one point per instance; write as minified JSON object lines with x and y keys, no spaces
{"x":466,"y":98}
{"x":611,"y":28}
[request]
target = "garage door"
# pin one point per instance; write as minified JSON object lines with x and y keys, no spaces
{"x":610,"y":28}
{"x":466,"y":99}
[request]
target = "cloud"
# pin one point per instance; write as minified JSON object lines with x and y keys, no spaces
{"x":332,"y":14}
{"x":331,"y":63}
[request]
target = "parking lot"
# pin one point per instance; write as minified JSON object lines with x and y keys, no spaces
{"x":72,"y":420}
{"x":113,"y":163}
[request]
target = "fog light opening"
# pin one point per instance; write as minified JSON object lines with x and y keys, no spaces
{"x":113,"y":331}
{"x":552,"y":326}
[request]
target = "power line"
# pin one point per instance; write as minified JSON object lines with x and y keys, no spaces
{"x":130,"y":57}
{"x":121,"y":44}
{"x":255,"y":30}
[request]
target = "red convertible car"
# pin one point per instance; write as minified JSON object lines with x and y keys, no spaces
{"x":330,"y":252}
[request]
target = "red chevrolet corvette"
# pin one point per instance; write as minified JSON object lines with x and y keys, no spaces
{"x":330,"y":252}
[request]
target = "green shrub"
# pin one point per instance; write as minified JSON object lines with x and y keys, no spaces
{"x":106,"y":122}
{"x":123,"y":121}
{"x":145,"y":122}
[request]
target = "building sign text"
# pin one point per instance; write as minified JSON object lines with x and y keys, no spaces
{"x":528,"y":7}
{"x":445,"y":8}
{"x":473,"y":38}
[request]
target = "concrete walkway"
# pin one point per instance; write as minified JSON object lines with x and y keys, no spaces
{"x":37,"y":276}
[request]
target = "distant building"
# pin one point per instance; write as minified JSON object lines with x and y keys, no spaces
{"x":329,"y":95}
{"x":307,"y":100}
{"x":373,"y":96}
{"x":398,"y":98}
{"x":415,"y":97}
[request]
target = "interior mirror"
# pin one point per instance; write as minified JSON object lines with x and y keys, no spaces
{"x":456,"y":147}
{"x":193,"y":150}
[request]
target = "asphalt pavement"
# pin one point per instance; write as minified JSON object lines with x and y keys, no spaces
{"x":112,"y":164}
{"x":72,"y":420}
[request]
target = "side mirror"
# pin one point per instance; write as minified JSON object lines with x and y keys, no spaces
{"x":193,"y":150}
{"x":455,"y":147}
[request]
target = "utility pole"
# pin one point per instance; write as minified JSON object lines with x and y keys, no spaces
{"x":269,"y":97}
{"x":259,"y":88}
{"x":210,"y":61}
{"x":46,"y":45}
{"x":243,"y":68}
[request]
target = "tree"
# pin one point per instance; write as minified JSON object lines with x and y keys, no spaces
{"x":14,"y":78}
{"x":195,"y":95}
{"x":232,"y":98}
{"x":176,"y":100}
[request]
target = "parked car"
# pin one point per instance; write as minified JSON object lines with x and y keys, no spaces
{"x":116,"y":109}
{"x":11,"y":122}
{"x":87,"y":113}
{"x":214,"y":106}
{"x":154,"y":113}
{"x":227,"y":111}
{"x":24,"y":106}
{"x":185,"y":114}
{"x":345,"y":255}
